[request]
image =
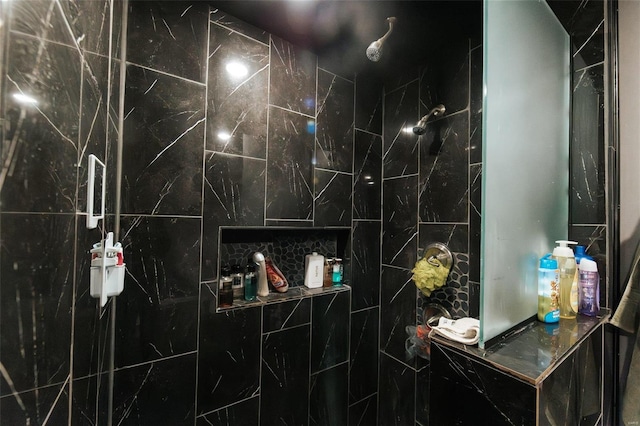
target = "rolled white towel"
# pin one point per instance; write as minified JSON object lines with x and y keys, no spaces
{"x":463,"y":330}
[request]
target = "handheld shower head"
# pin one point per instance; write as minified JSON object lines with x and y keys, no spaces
{"x":421,"y":127}
{"x":374,"y":51}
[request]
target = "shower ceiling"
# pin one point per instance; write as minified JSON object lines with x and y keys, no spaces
{"x":340,"y":30}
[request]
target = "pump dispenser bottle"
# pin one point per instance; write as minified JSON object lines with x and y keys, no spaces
{"x":567,"y":268}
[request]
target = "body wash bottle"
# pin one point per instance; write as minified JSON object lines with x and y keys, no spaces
{"x":589,"y":288}
{"x":567,"y":268}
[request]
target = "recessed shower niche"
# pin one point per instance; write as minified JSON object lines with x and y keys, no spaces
{"x":287,"y":247}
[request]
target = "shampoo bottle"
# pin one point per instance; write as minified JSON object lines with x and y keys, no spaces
{"x":548,"y":308}
{"x":313,"y":270}
{"x":567,"y":268}
{"x":589,"y":288}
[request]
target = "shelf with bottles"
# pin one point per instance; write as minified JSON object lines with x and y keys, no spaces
{"x":285,"y":247}
{"x":298,"y":292}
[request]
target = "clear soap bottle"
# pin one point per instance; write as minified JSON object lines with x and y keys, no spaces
{"x":336,"y":276}
{"x":250,"y":281}
{"x":567,"y":268}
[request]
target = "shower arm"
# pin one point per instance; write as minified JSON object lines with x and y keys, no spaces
{"x":420,"y":128}
{"x":435,"y":111}
{"x":391,"y":21}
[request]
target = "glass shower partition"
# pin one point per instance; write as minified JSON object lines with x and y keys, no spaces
{"x":526,"y":106}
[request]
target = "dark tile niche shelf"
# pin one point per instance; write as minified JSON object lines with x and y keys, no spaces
{"x":287,"y":247}
{"x":299,"y":292}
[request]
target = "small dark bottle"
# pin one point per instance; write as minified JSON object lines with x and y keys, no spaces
{"x":250,"y":281}
{"x":237,"y":278}
{"x":327,"y":280}
{"x":225,"y":290}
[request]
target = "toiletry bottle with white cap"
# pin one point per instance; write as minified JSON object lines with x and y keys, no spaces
{"x":567,"y":267}
{"x":589,"y":288}
{"x":580,"y":254}
{"x":548,"y":309}
{"x":313,"y":270}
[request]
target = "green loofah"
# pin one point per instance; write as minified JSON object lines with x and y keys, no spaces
{"x":428,"y":277}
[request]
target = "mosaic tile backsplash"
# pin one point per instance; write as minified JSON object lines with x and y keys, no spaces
{"x":288,"y":254}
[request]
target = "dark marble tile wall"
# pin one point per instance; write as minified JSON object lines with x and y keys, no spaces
{"x":182,"y":179}
{"x":290,"y":189}
{"x":163,"y":144}
{"x":585,"y":23}
{"x":154,"y":393}
{"x":588,"y":210}
{"x":397,"y":402}
{"x":58,"y":54}
{"x":569,"y":395}
{"x":364,"y":413}
{"x":587,"y":147}
{"x":367,"y":251}
{"x":198,"y":155}
{"x":431,"y":193}
{"x":280,"y":142}
{"x":490,"y":396}
{"x":286,"y":379}
{"x":444,"y":159}
{"x":328,"y":399}
{"x":400,"y":148}
{"x":169,"y":30}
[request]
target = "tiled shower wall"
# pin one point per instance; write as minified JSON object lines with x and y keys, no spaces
{"x":53,"y":336}
{"x":294,"y":158}
{"x":307,"y":148}
{"x":592,"y":159}
{"x":431,"y":190}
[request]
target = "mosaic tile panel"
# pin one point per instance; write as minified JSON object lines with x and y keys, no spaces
{"x":288,"y":253}
{"x":454,"y":295}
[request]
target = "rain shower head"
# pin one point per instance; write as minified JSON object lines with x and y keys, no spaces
{"x":421,"y":127}
{"x":374,"y":51}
